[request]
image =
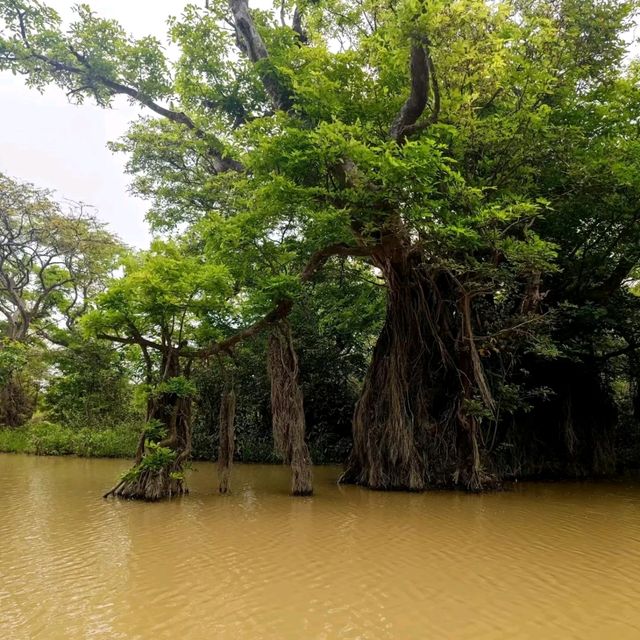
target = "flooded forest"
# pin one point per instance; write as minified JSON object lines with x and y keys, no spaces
{"x":376,"y":373}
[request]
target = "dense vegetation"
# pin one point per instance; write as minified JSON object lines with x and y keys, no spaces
{"x":402,"y":235}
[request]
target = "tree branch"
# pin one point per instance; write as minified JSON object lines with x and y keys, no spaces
{"x":423,"y":78}
{"x":284,"y":306}
{"x":320,"y":257}
{"x":252,"y":45}
{"x":296,"y":25}
{"x":140,"y":341}
{"x":619,"y":274}
{"x":416,"y":103}
{"x":618,"y":352}
{"x":220,"y":162}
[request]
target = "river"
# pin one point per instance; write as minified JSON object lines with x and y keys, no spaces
{"x":542,"y":561}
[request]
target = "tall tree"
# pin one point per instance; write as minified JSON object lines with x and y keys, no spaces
{"x":418,"y":137}
{"x":51,"y":263}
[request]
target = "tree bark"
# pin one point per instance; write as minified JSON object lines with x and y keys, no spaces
{"x":412,"y":426}
{"x":227,"y":438}
{"x":158,"y":471}
{"x":287,"y":409}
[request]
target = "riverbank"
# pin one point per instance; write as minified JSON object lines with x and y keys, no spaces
{"x":43,"y":438}
{"x":46,"y":438}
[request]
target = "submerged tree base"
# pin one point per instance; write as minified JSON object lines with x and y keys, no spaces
{"x":484,"y":482}
{"x":150,"y":484}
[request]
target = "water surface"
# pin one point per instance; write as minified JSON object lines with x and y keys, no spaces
{"x":542,"y":562}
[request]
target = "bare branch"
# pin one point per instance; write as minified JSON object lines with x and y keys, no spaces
{"x":252,"y":45}
{"x":423,"y":79}
{"x":416,"y":103}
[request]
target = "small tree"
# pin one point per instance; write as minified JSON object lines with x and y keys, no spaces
{"x":154,"y":306}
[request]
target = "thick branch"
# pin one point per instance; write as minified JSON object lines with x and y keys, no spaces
{"x":251,"y":43}
{"x":631,"y":347}
{"x":140,"y":341}
{"x":423,"y":78}
{"x":320,"y":257}
{"x":619,"y":274}
{"x":284,"y":306}
{"x":416,"y":103}
{"x":220,"y":163}
{"x":296,"y":25}
{"x":281,"y":310}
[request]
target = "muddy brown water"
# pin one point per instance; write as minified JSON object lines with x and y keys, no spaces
{"x":543,"y":561}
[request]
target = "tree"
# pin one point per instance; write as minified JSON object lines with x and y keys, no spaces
{"x":18,"y":393}
{"x":51,"y":262}
{"x":89,"y":384}
{"x":154,"y":307}
{"x":588,"y":169}
{"x":419,"y":138}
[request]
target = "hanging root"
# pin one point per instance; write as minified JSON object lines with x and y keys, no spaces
{"x":227,"y":435}
{"x":288,"y":410}
{"x":470,"y":472}
{"x":416,"y":422}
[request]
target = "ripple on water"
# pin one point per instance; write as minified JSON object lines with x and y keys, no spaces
{"x":545,"y":561}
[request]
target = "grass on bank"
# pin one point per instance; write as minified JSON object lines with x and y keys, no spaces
{"x":50,"y":439}
{"x":45,"y":438}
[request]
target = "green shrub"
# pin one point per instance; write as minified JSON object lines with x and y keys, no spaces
{"x":90,"y":386}
{"x":15,"y":441}
{"x":117,"y":442}
{"x":156,"y":458}
{"x":50,"y":439}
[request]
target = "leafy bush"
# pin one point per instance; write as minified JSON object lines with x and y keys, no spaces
{"x":15,"y":441}
{"x":90,"y":386}
{"x":52,"y":439}
{"x":178,"y":385}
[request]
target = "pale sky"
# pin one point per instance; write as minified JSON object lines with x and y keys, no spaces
{"x":59,"y":146}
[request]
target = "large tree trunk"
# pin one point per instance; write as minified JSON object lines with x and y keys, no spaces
{"x":158,"y":471}
{"x":287,"y":409}
{"x":412,"y":426}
